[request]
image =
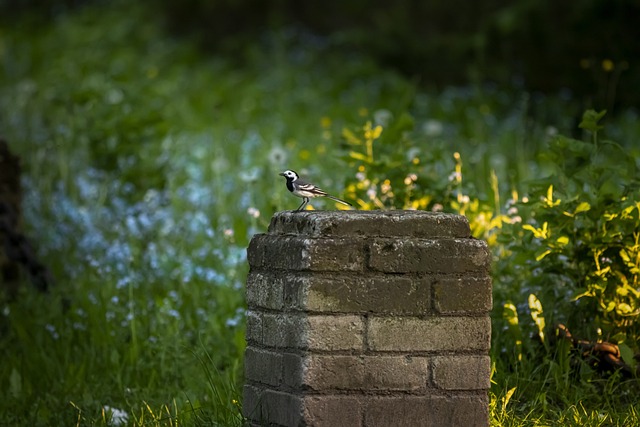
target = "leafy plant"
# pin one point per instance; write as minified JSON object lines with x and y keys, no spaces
{"x":578,"y":248}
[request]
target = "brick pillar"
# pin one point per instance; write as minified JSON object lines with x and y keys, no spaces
{"x":367,"y":318}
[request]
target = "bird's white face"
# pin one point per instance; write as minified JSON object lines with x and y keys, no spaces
{"x":289,"y":174}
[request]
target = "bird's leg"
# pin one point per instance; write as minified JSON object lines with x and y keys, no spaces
{"x":304,"y":203}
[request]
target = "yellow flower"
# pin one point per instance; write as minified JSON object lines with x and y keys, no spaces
{"x":607,"y":65}
{"x":325,"y":122}
{"x":372,"y":133}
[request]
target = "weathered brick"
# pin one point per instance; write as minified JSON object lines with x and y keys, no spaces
{"x":265,"y":290}
{"x":312,"y":332}
{"x":333,"y":333}
{"x":263,"y":366}
{"x":430,"y":334}
{"x":357,"y":372}
{"x":251,"y":402}
{"x":453,"y":295}
{"x":301,"y":253}
{"x":415,"y":224}
{"x":426,"y":411}
{"x":281,"y":408}
{"x":254,"y":327}
{"x":367,"y":319}
{"x":462,"y":372}
{"x":332,"y":411}
{"x":408,"y":373}
{"x":351,"y":293}
{"x":449,"y":256}
{"x":283,"y":331}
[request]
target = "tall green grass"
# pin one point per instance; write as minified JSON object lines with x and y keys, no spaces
{"x":149,"y":166}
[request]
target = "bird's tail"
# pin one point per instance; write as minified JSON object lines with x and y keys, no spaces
{"x":335,"y":199}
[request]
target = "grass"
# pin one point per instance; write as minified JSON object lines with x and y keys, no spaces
{"x":149,"y":166}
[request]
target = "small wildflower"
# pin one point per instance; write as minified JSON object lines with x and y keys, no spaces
{"x":305,"y":154}
{"x":463,"y":198}
{"x":253,"y":212}
{"x":385,"y":187}
{"x":117,"y":417}
{"x":371,"y":192}
{"x":382,"y":117}
{"x":410,"y":179}
{"x":249,"y":175}
{"x":52,"y":330}
{"x":455,"y":176}
{"x":325,"y":122}
{"x":432,"y":128}
{"x":228,"y":232}
{"x":277,"y":156}
{"x":360,"y":176}
{"x":512,"y":210}
{"x":607,"y":65}
{"x":551,"y":131}
{"x":437,"y":207}
{"x":371,"y":133}
{"x":516,"y":219}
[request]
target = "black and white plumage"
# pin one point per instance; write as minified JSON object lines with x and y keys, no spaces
{"x":306,"y":190}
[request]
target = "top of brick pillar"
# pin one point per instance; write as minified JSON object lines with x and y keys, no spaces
{"x":396,"y":223}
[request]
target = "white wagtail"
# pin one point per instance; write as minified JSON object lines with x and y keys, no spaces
{"x":306,"y":190}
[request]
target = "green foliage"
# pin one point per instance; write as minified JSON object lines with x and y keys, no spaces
{"x":578,"y":248}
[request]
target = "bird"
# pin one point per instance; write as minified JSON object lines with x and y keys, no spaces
{"x":306,"y":190}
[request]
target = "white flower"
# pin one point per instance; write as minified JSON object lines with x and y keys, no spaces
{"x":455,"y":176}
{"x":437,"y":207}
{"x":371,"y":192}
{"x":115,"y":416}
{"x":253,"y":212}
{"x":432,"y":128}
{"x":249,"y":175}
{"x":277,"y":156}
{"x":382,"y":117}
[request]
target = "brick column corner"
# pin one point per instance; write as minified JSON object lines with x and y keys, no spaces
{"x":367,"y":319}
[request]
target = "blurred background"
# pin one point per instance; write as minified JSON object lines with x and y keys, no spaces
{"x":150,"y":136}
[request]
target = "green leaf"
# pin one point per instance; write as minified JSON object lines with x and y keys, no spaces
{"x":15,"y":383}
{"x":627,"y":356}
{"x":590,"y":120}
{"x":537,"y":315}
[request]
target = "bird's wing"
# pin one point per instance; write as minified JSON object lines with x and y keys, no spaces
{"x":307,"y":186}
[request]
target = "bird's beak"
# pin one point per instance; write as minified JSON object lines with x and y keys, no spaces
{"x":281,"y":174}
